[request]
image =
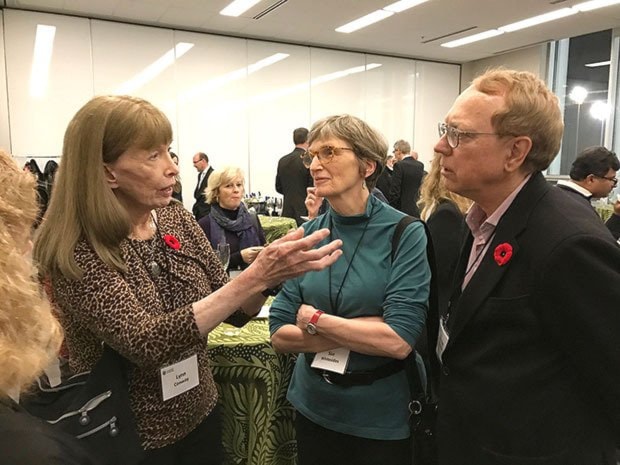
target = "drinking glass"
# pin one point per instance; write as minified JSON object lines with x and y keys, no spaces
{"x":223,"y":253}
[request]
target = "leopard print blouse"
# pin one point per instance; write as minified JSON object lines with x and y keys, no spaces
{"x":148,"y":319}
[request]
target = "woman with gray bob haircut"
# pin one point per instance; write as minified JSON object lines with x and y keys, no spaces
{"x":356,"y":323}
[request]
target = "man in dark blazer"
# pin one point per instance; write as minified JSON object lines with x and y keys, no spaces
{"x":406,"y":179}
{"x":201,"y":162}
{"x":530,"y":357}
{"x":293,"y":178}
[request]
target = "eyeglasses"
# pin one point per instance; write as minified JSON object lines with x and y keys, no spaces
{"x":325,"y":154}
{"x":454,"y":134}
{"x":614,"y":181}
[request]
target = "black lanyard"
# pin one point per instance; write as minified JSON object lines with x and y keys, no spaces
{"x":334,"y":304}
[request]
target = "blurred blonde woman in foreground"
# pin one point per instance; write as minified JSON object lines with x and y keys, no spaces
{"x":29,"y":334}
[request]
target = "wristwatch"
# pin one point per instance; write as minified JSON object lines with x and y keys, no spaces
{"x":311,"y":326}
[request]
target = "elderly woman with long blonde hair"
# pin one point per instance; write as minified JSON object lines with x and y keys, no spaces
{"x":131,"y":269}
{"x":29,"y":335}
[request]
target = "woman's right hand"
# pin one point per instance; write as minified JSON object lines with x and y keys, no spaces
{"x":312,"y":202}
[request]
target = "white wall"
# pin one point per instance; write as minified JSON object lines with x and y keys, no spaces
{"x":532,"y":59}
{"x":220,"y":95}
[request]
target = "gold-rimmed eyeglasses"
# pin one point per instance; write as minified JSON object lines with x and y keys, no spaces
{"x":453,"y":135}
{"x":325,"y":154}
{"x":614,"y":181}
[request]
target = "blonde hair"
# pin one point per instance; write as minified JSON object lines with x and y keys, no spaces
{"x":83,"y":205}
{"x":219,"y":178}
{"x":433,"y":191}
{"x":531,"y":110}
{"x":29,"y":335}
{"x":367,"y":143}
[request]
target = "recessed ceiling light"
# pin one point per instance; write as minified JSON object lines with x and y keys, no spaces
{"x":238,"y":7}
{"x":474,"y":38}
{"x":364,"y":21}
{"x":403,"y":5}
{"x":540,"y":19}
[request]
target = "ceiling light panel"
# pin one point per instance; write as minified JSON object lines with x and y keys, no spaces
{"x":238,"y":7}
{"x":364,"y":21}
{"x":474,"y":38}
{"x":540,"y":19}
{"x":403,"y":5}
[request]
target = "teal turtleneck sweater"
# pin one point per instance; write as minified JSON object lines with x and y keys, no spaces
{"x":374,"y":285}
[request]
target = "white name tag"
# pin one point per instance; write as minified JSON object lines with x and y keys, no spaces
{"x":335,"y":360}
{"x":234,"y":273}
{"x":179,"y":377}
{"x":442,"y":339}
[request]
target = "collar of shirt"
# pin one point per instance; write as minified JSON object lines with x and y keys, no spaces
{"x":483,"y":228}
{"x":480,"y":224}
{"x":576,"y":187}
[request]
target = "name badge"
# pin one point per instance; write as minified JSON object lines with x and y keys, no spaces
{"x":179,"y":377}
{"x":442,"y":339}
{"x":335,"y":360}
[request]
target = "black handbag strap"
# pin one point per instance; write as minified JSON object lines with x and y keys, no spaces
{"x":432,"y":322}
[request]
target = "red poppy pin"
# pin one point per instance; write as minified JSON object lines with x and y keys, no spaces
{"x":502,"y":253}
{"x":172,"y":242}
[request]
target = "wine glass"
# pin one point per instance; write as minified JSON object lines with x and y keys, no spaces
{"x":223,"y":253}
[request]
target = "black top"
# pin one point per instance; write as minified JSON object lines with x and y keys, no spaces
{"x":27,"y":440}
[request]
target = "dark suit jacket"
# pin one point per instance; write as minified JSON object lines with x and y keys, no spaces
{"x":384,"y":181}
{"x":574,"y":194}
{"x":292,"y":179}
{"x":201,"y":208}
{"x":448,"y":229}
{"x":531,"y":371}
{"x":613,"y":224}
{"x":406,"y":180}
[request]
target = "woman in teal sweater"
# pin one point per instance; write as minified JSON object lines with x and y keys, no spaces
{"x":356,"y":322}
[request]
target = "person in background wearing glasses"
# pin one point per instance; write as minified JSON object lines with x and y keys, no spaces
{"x":529,"y":347}
{"x":230,"y":221}
{"x":201,"y":206}
{"x":406,"y":180}
{"x":592,"y":175}
{"x":356,"y":324}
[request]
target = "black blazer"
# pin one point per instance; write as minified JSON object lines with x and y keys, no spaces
{"x":574,"y":194}
{"x":384,"y":181}
{"x":292,"y":179}
{"x":448,"y":231}
{"x":531,"y":372}
{"x":201,"y":208}
{"x":406,"y":180}
{"x":613,"y":224}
